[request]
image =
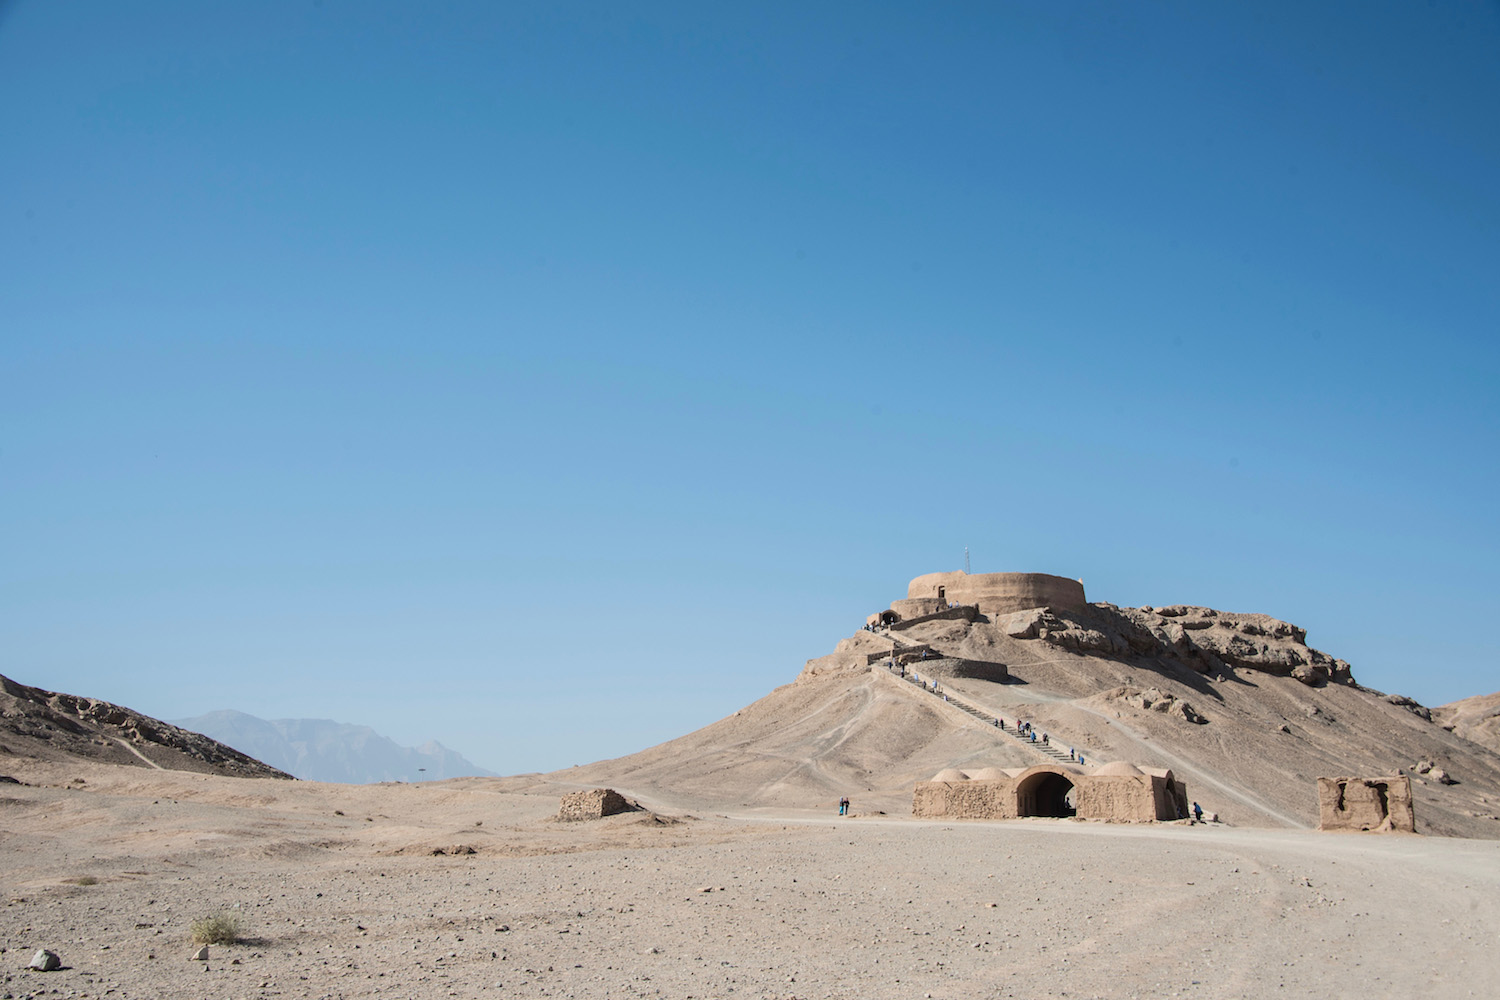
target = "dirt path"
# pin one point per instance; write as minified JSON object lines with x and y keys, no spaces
{"x":127,"y":745}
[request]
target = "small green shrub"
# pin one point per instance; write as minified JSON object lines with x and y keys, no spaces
{"x":82,"y":880}
{"x":221,"y":928}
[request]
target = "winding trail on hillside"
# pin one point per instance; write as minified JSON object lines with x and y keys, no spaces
{"x":126,"y":744}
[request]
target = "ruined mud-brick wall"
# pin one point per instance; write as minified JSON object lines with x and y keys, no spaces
{"x":968,"y":612}
{"x":1380,"y":804}
{"x":910,"y":608}
{"x":1124,"y":798}
{"x":1000,"y":593}
{"x":596,"y":803}
{"x":964,"y":799}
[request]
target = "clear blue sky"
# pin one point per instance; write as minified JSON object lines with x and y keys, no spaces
{"x":553,"y":379}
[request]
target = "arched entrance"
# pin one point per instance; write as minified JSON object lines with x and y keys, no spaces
{"x":1046,"y":793}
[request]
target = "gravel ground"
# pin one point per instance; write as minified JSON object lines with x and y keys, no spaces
{"x":338,"y":894}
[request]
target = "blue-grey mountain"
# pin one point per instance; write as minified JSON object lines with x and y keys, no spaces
{"x":324,"y":750}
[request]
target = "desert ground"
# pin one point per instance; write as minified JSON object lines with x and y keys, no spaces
{"x":338,"y":893}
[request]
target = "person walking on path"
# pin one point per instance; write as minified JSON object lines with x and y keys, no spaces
{"x":1197,"y":813}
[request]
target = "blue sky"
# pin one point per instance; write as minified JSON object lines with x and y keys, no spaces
{"x":553,"y":379}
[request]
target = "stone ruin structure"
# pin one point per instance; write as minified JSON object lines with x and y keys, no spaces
{"x":1381,"y":805}
{"x":595,"y":803}
{"x":1118,"y":792}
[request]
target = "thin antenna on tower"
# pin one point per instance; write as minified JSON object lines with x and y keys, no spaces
{"x":966,"y":560}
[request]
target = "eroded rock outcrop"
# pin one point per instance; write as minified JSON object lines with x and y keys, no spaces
{"x":1209,"y":641}
{"x":1156,"y":700}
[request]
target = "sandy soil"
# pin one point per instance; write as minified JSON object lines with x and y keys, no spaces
{"x":760,"y":903}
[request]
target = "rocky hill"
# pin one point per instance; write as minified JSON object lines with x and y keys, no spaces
{"x":324,"y":750}
{"x":1476,"y":719}
{"x":1237,"y":704}
{"x":48,"y":726}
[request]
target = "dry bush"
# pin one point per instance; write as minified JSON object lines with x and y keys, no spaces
{"x":221,"y":928}
{"x":82,"y":880}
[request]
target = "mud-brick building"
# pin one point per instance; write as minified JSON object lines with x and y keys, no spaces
{"x":1118,"y":792}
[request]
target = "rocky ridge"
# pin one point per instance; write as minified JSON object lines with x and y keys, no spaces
{"x":1207,"y":641}
{"x":48,"y":725}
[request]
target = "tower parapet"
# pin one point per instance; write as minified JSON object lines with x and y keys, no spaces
{"x":996,"y":593}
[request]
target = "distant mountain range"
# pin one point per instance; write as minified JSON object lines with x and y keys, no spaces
{"x":324,"y":750}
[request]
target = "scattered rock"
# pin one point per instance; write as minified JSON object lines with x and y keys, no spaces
{"x":1411,"y":705}
{"x":201,"y":955}
{"x":1423,"y":766}
{"x":1441,"y":777}
{"x":45,"y":961}
{"x":1311,"y":674}
{"x":1284,"y":728}
{"x":1184,"y":710}
{"x":1027,"y":624}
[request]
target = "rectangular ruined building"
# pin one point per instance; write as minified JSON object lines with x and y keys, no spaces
{"x":595,"y":803}
{"x":1381,"y":805}
{"x":1117,"y":792}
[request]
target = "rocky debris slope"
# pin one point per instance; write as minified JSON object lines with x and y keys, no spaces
{"x":47,"y":725}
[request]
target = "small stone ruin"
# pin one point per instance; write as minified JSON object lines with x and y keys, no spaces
{"x":1379,"y":805}
{"x":595,"y":803}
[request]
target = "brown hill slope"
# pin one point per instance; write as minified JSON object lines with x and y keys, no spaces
{"x":1278,"y":715}
{"x":47,"y":726}
{"x":1476,"y":719}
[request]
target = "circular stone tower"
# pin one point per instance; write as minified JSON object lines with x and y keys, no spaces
{"x":999,"y":593}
